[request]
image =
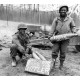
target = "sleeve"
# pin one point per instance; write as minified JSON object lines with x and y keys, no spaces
{"x":72,"y":25}
{"x":28,"y":37}
{"x":53,"y":27}
{"x":15,"y":40}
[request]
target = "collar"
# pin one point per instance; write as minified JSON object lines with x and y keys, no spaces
{"x":64,"y":19}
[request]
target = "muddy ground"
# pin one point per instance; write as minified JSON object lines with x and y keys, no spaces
{"x":71,"y":65}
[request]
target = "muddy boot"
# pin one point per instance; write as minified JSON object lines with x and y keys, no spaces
{"x":13,"y":62}
{"x":61,"y":64}
{"x":54,"y":62}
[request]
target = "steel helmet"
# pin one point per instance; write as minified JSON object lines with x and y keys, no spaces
{"x":22,"y":26}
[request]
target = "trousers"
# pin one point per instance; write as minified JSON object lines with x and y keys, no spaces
{"x":14,"y":51}
{"x":60,"y":47}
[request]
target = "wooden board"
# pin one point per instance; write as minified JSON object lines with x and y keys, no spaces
{"x":38,"y":66}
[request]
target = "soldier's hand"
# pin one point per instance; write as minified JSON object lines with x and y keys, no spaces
{"x":78,"y":33}
{"x":50,"y":35}
{"x":28,"y":56}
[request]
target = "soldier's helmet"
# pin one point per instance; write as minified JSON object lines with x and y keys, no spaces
{"x":22,"y":26}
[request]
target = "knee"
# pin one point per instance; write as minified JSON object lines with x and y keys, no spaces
{"x":62,"y":56}
{"x":13,"y":49}
{"x":54,"y":55}
{"x":13,"y":46}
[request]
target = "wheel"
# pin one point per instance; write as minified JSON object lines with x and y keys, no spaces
{"x":77,"y":47}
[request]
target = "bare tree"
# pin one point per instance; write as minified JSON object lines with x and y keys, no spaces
{"x":38,"y":7}
{"x":7,"y":13}
{"x":24,"y":6}
{"x":34,"y":7}
{"x":29,"y":6}
{"x":20,"y":11}
{"x":39,"y":14}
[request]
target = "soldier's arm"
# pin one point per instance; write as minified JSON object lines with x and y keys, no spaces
{"x":72,"y":26}
{"x":19,"y":46}
{"x":16,"y":41}
{"x":53,"y":28}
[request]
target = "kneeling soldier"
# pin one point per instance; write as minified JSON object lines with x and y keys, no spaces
{"x":20,"y":41}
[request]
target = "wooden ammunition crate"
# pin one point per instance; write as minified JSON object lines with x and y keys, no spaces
{"x":38,"y":66}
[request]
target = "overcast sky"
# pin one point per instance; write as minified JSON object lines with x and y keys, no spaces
{"x":49,"y":7}
{"x":45,"y":5}
{"x":68,"y":2}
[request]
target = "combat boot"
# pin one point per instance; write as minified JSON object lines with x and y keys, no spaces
{"x":54,"y":62}
{"x":14,"y":62}
{"x":61,"y":64}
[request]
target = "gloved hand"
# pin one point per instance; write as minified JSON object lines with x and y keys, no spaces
{"x":52,"y":37}
{"x":49,"y":36}
{"x":28,"y":55}
{"x":74,"y":30}
{"x":78,"y":32}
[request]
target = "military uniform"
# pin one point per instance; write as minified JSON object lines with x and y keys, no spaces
{"x":61,"y":27}
{"x":20,"y":42}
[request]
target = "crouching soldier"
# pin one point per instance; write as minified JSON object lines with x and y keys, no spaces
{"x":20,"y":41}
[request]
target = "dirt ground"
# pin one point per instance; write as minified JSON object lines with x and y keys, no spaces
{"x":71,"y":65}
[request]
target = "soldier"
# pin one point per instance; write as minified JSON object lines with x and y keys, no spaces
{"x":20,"y":41}
{"x":61,"y":25}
